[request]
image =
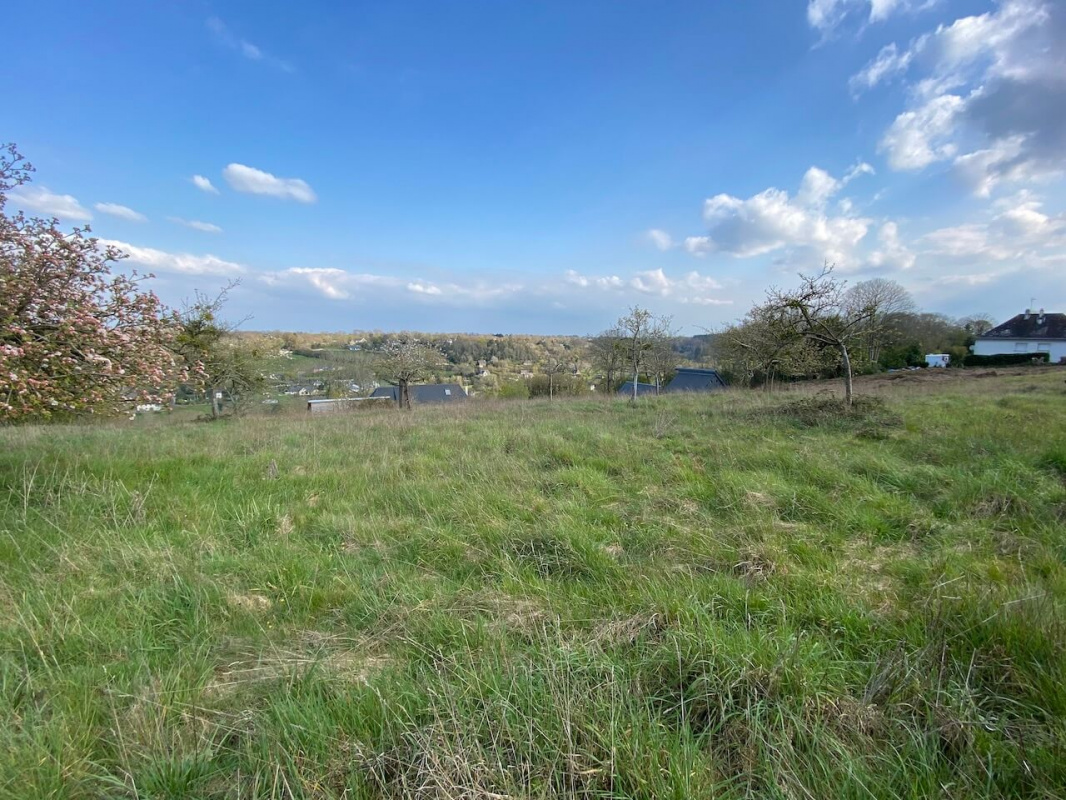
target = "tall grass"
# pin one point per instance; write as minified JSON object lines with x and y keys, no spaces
{"x":725,"y":596}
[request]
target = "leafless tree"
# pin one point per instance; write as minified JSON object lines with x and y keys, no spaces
{"x":892,"y":304}
{"x":405,"y":359}
{"x":660,"y":359}
{"x":607,"y":353}
{"x":976,"y":324}
{"x":555,"y":365}
{"x":819,"y":312}
{"x":640,"y":329}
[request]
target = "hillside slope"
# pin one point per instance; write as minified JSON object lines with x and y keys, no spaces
{"x":726,"y":596}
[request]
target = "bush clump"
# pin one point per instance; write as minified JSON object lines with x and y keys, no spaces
{"x":811,"y":412}
{"x":1005,"y":359}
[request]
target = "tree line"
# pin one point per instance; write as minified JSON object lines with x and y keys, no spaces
{"x":76,"y":339}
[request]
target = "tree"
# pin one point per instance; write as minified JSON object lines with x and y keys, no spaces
{"x":660,"y":359}
{"x":892,"y":304}
{"x":74,"y":338}
{"x":554,"y":365}
{"x":640,"y":329}
{"x":405,"y":359}
{"x":760,"y":349}
{"x":607,"y":353}
{"x":220,"y":364}
{"x":820,"y":313}
{"x":976,"y":324}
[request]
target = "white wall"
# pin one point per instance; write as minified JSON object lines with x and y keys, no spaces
{"x":992,"y":347}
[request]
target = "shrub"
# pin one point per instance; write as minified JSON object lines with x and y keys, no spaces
{"x":1005,"y":359}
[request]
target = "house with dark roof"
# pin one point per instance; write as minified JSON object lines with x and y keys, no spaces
{"x":691,"y":379}
{"x":1032,"y":332}
{"x":626,"y":389}
{"x":686,"y":379}
{"x":425,"y":393}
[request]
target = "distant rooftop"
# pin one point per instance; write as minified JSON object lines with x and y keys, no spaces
{"x":1030,"y":325}
{"x":692,"y":379}
{"x":425,"y":393}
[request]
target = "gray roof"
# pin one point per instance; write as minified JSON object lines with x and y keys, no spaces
{"x":425,"y":393}
{"x":1031,"y":325}
{"x":690,"y":379}
{"x":642,"y":388}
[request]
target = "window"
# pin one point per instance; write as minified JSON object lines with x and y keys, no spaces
{"x":448,"y":392}
{"x":1043,"y":347}
{"x":1021,"y":347}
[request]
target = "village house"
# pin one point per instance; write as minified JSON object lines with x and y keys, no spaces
{"x":425,"y":393}
{"x":686,"y":379}
{"x":1032,"y":332}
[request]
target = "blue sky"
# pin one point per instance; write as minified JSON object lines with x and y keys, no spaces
{"x":539,"y":167}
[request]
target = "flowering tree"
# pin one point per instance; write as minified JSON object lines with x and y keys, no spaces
{"x":403,"y":360}
{"x":73,"y":337}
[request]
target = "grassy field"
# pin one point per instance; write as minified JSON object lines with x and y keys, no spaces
{"x":724,"y":596}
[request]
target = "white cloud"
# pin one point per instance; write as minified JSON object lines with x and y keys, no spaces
{"x":256,"y":181}
{"x":185,"y":263}
{"x":891,"y":253}
{"x":889,"y":62}
{"x":826,"y":15}
{"x":660,"y":238}
{"x":1020,"y":238}
{"x":699,"y":245}
{"x":963,"y":241}
{"x":989,"y":94}
{"x":691,"y":288}
{"x":329,"y":282}
{"x":1023,"y":222}
{"x":771,"y":220}
{"x":197,"y":225}
{"x":38,"y":198}
{"x":816,"y":188}
{"x":203,"y":184}
{"x":225,"y":37}
{"x":918,"y":138}
{"x":340,"y":284}
{"x":123,"y":212}
{"x":603,"y":282}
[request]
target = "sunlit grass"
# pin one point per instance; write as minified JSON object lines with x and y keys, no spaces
{"x":694,"y":597}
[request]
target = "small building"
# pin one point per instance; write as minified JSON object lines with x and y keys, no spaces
{"x":938,"y":359}
{"x":692,"y":379}
{"x":1032,"y":332}
{"x":425,"y":393}
{"x":325,"y":406}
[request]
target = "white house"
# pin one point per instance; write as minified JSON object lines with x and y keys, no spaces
{"x":1032,"y":332}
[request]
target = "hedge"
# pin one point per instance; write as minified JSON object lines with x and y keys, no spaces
{"x":1005,"y":359}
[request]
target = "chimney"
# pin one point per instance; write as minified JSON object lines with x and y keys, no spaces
{"x":1028,"y":311}
{"x":1041,"y":320}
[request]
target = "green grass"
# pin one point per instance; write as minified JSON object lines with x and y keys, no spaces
{"x":726,"y":596}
